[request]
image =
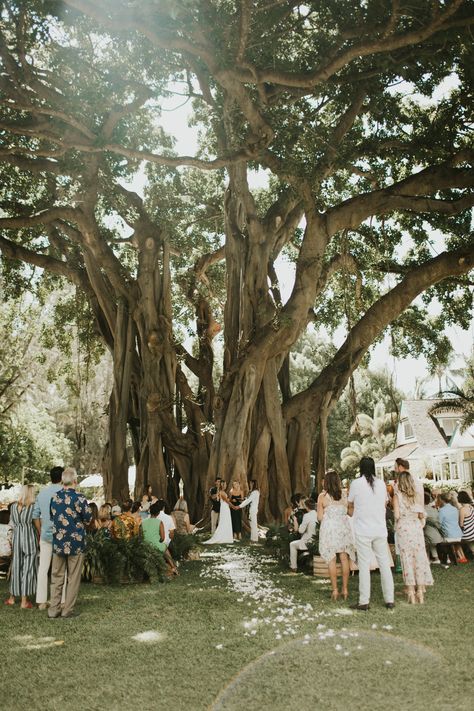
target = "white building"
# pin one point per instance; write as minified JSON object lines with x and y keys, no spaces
{"x":433,"y":444}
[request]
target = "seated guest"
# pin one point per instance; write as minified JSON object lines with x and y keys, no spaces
{"x":180,"y":517}
{"x":5,"y":541}
{"x":466,"y":519}
{"x":136,"y":512}
{"x":168,"y":522}
{"x":93,"y":525}
{"x":293,"y":515}
{"x":307,"y":529}
{"x":115,"y":511}
{"x":105,"y":520}
{"x":125,"y":525}
{"x":449,"y":521}
{"x":154,"y":533}
{"x":432,"y":530}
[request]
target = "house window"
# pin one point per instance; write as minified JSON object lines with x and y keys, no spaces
{"x":448,"y":425}
{"x":408,"y":430}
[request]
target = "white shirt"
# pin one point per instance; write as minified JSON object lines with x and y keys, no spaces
{"x":168,"y":524}
{"x":308,"y":526}
{"x":253,"y":498}
{"x":369,"y":507}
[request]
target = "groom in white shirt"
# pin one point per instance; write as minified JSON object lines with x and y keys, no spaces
{"x":253,"y":499}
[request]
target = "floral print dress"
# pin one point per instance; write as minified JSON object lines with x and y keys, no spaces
{"x":411,"y":544}
{"x":335,"y":533}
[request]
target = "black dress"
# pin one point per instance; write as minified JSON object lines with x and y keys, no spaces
{"x":236,"y":515}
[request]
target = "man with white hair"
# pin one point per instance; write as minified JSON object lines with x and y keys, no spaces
{"x":69,"y":514}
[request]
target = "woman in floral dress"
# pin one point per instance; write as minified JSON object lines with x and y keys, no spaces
{"x":335,"y":535}
{"x":409,"y":522}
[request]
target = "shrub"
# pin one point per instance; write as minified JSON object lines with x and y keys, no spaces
{"x":181,"y":544}
{"x":114,"y":560}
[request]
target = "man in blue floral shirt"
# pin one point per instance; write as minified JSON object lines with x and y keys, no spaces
{"x":69,"y":514}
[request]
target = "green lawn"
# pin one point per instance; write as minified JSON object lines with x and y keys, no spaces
{"x":235,"y":632}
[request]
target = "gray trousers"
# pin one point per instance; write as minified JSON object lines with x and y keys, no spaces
{"x":72,"y":565}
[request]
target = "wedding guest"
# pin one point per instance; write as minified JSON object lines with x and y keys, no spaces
{"x":41,"y":517}
{"x":70,"y":515}
{"x":168,"y":522}
{"x":181,"y":519}
{"x":466,"y":519}
{"x":137,"y":513}
{"x":125,"y":525}
{"x":105,"y":520}
{"x":411,"y":541}
{"x":291,"y":516}
{"x":449,"y":520}
{"x":154,"y":533}
{"x":403,"y":466}
{"x":335,"y":534}
{"x":307,"y":529}
{"x":252,"y":501}
{"x":94,"y":524}
{"x":235,"y":496}
{"x":432,"y":530}
{"x":367,"y":501}
{"x":24,"y":548}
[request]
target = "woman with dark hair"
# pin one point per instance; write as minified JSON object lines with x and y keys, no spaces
{"x":367,"y":502}
{"x":94,"y":524}
{"x":409,"y":524}
{"x":466,"y":519}
{"x":335,"y":535}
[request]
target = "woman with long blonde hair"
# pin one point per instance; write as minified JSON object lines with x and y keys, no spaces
{"x":25,"y":548}
{"x":409,"y":522}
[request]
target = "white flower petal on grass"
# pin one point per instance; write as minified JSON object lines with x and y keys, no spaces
{"x":149,"y":637}
{"x":374,"y":626}
{"x":387,"y":627}
{"x":219,"y":646}
{"x":338,"y":647}
{"x":388,"y":662}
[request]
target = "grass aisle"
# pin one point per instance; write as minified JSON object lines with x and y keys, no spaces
{"x":235,"y":632}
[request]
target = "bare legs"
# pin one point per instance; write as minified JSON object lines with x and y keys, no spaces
{"x":332,"y":565}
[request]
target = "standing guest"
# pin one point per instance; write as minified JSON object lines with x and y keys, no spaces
{"x":367,"y":501}
{"x":181,"y":519}
{"x":125,"y":525}
{"x":466,"y":519}
{"x":25,"y":549}
{"x":70,"y":515}
{"x":411,"y":541}
{"x":168,"y":523}
{"x":403,"y":466}
{"x":105,"y":521}
{"x":41,"y":517}
{"x":449,"y":520}
{"x":307,"y":529}
{"x":94,"y":524}
{"x":5,"y":535}
{"x":335,"y":535}
{"x":215,"y":504}
{"x":253,"y":500}
{"x":235,"y":495}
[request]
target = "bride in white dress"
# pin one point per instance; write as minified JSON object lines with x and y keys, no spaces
{"x":223,"y":532}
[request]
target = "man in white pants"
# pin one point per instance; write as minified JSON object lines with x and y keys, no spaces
{"x":367,"y":502}
{"x":42,"y":521}
{"x":307,"y":529}
{"x":253,"y":499}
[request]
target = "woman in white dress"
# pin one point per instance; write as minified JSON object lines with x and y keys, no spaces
{"x":335,"y":534}
{"x":224,"y":532}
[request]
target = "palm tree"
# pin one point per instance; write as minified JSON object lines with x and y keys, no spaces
{"x":459,"y":400}
{"x":377,"y":433}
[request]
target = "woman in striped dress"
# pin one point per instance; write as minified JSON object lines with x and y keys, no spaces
{"x":466,"y":519}
{"x":25,"y":549}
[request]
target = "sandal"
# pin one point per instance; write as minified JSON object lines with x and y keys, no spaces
{"x":27,"y":606}
{"x":335,"y":596}
{"x":9,"y":602}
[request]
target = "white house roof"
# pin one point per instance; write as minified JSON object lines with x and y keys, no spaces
{"x":427,"y":433}
{"x":404,"y":451}
{"x":463,"y":439}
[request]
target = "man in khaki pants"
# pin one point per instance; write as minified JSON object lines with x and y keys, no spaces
{"x":69,"y":514}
